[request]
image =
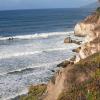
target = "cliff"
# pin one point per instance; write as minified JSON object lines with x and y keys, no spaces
{"x":79,"y":80}
{"x":75,"y":81}
{"x":89,"y":25}
{"x":90,"y":28}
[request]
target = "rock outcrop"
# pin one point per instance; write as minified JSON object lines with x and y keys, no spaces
{"x":88,"y":25}
{"x":90,"y":28}
{"x":69,"y":40}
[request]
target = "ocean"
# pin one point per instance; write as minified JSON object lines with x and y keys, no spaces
{"x":32,"y":44}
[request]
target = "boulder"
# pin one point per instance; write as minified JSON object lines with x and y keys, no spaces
{"x":68,"y":40}
{"x":77,"y":50}
{"x":64,"y":64}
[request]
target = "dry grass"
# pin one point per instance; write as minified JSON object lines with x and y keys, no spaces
{"x":88,"y":89}
{"x":35,"y":92}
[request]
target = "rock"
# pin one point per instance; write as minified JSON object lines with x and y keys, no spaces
{"x":77,"y":50}
{"x":11,"y":38}
{"x":68,"y":40}
{"x":90,"y":28}
{"x":64,"y":64}
{"x":88,"y":49}
{"x":81,"y":29}
{"x":88,"y":25}
{"x":76,"y":42}
{"x":53,"y":71}
{"x":72,"y":59}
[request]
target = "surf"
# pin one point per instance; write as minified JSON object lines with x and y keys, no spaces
{"x":2,"y":56}
{"x":35,"y":36}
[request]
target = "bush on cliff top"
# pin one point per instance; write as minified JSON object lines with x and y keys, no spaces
{"x":35,"y":92}
{"x":89,"y":89}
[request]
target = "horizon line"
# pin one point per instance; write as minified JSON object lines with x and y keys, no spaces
{"x":40,"y":8}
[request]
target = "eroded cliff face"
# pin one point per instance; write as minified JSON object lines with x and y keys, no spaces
{"x":88,"y":25}
{"x":55,"y":86}
{"x":90,"y":28}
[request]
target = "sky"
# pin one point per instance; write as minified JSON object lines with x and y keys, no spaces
{"x":41,"y":4}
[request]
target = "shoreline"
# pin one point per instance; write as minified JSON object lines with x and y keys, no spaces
{"x":61,"y":65}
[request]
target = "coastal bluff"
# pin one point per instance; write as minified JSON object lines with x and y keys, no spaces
{"x":73,"y":81}
{"x":79,"y":80}
{"x":90,"y":28}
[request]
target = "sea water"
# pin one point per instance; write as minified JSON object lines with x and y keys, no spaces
{"x":32,"y":44}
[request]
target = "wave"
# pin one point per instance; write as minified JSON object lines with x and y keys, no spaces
{"x":17,"y":96}
{"x":2,"y":56}
{"x":34,"y":36}
{"x":29,"y":68}
{"x":21,"y":71}
{"x":24,"y":92}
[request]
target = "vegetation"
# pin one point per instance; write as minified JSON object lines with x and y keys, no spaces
{"x":98,"y":9}
{"x":89,"y":89}
{"x":35,"y":92}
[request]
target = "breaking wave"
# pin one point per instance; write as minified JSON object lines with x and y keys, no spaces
{"x":30,"y":68}
{"x":2,"y":56}
{"x":34,"y":36}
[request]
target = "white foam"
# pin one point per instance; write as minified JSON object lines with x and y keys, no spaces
{"x":16,"y":50}
{"x":3,"y":56}
{"x":33,"y":36}
{"x":46,"y":65}
{"x":25,"y":91}
{"x":32,"y":66}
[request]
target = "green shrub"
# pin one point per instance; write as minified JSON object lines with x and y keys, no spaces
{"x":35,"y":92}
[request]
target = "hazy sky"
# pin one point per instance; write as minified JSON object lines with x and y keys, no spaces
{"x":38,"y":4}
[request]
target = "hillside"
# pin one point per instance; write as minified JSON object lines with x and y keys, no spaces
{"x":80,"y":81}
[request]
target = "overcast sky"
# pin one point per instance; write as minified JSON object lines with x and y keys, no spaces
{"x":38,"y":4}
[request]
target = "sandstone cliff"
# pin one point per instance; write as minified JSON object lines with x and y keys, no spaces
{"x":88,"y":25}
{"x":79,"y":81}
{"x":90,"y":28}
